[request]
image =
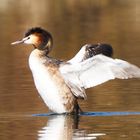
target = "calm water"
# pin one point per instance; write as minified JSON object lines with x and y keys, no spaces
{"x":72,"y":24}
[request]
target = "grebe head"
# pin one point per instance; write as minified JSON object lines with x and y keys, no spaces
{"x":38,"y":37}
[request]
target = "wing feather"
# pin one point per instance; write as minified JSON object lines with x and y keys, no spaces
{"x":97,"y":70}
{"x":90,"y":50}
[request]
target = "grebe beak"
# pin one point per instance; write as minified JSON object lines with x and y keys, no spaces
{"x":20,"y":41}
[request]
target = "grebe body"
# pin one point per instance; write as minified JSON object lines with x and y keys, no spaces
{"x":61,"y":83}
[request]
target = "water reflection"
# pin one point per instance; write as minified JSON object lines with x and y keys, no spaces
{"x":65,"y":127}
{"x":72,"y":24}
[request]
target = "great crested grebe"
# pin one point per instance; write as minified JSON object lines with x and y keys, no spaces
{"x":60,"y":83}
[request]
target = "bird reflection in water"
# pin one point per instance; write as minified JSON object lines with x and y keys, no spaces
{"x":65,"y":127}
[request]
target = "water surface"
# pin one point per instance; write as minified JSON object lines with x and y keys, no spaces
{"x":72,"y":24}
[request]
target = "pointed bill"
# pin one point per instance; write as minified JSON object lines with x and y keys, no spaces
{"x":20,"y":41}
{"x":17,"y":42}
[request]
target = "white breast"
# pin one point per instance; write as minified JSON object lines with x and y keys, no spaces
{"x":45,"y":85}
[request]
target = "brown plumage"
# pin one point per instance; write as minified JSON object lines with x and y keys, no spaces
{"x":60,"y":83}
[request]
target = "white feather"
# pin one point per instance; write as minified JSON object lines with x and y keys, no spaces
{"x":97,"y":70}
{"x":79,"y":56}
{"x":46,"y":87}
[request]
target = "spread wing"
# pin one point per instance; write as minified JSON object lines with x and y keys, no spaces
{"x":97,"y":70}
{"x":90,"y":50}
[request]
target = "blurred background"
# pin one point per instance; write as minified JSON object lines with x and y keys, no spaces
{"x":72,"y":24}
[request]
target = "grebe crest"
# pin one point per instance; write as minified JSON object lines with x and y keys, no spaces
{"x":39,"y":38}
{"x":59,"y":83}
